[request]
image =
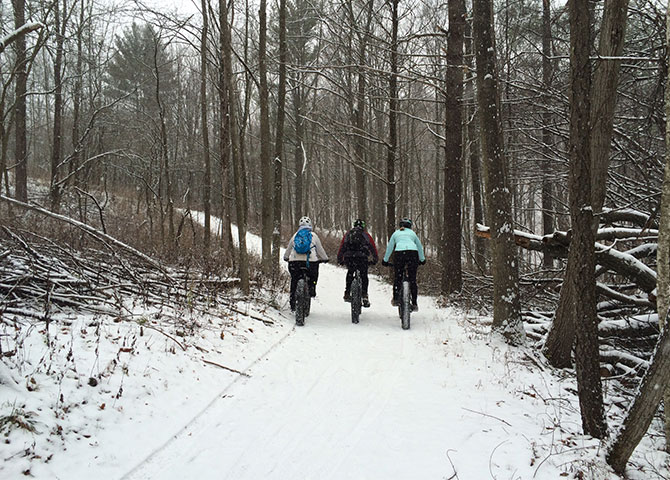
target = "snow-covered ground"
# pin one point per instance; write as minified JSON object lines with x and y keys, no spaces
{"x":330,"y":400}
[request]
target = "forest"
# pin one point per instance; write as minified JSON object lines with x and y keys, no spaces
{"x":525,"y":138}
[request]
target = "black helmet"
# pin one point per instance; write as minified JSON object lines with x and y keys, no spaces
{"x":359,"y":223}
{"x":405,"y":222}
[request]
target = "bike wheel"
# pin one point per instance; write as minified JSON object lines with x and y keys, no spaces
{"x":356,"y":292}
{"x":301,"y":302}
{"x":406,"y":306}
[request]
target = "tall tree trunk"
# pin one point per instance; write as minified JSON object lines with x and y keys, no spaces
{"x":656,"y":381}
{"x":505,"y":268}
{"x":207,"y":179}
{"x":561,"y":336}
{"x":266,"y":161}
{"x":20,"y":128}
{"x":77,"y":95}
{"x":224,"y":140}
{"x":240,"y":191}
{"x":452,"y":275}
{"x":57,"y":148}
{"x":392,"y":154}
{"x":663,"y":255}
{"x":279,"y":140}
{"x":581,"y":257}
{"x":473,"y":150}
{"x":547,"y":137}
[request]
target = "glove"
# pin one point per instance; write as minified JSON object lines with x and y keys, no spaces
{"x":422,"y":262}
{"x":385,"y":263}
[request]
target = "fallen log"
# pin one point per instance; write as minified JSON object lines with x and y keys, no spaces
{"x":557,"y":245}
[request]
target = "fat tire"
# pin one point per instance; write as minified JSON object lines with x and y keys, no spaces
{"x":406,"y":308}
{"x":301,"y":302}
{"x":356,"y":292}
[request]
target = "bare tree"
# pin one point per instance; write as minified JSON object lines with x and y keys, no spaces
{"x":60,"y":19}
{"x":265,"y":160}
{"x":21,"y":142}
{"x":240,"y":191}
{"x":392,"y":153}
{"x":207,"y":180}
{"x":279,"y":140}
{"x":452,"y":276}
{"x":505,"y":268}
{"x":580,"y":275}
{"x":560,"y":340}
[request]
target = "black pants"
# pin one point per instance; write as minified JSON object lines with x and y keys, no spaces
{"x":360,"y":264}
{"x":295,"y":268}
{"x":405,"y":259}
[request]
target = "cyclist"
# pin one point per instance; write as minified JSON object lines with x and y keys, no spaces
{"x":407,"y":252}
{"x":357,"y":251}
{"x":304,"y":248}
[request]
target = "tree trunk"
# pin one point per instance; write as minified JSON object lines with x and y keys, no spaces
{"x":392,"y":153}
{"x":506,"y":302}
{"x":266,"y":161}
{"x":224,"y":140}
{"x":57,"y":149}
{"x":652,"y":389}
{"x":475,"y":162}
{"x":279,"y":141}
{"x":547,"y":137}
{"x":452,"y":276}
{"x":240,"y":191}
{"x":663,"y":255}
{"x":560,"y":339}
{"x":581,"y":257}
{"x":21,"y":142}
{"x":207,"y":180}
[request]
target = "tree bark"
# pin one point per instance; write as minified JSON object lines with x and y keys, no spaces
{"x":644,"y":406}
{"x":506,"y":302}
{"x":452,"y":275}
{"x":266,"y":161}
{"x":392,"y":151}
{"x":560,"y":339}
{"x":279,"y":140}
{"x":581,"y":259}
{"x":547,"y":137}
{"x":224,"y":140}
{"x":207,"y":179}
{"x":57,"y":149}
{"x":240,"y":191}
{"x":21,"y":139}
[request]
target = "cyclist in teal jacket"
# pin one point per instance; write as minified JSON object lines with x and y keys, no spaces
{"x":407,"y":252}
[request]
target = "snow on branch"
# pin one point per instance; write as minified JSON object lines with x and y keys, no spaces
{"x":11,"y":37}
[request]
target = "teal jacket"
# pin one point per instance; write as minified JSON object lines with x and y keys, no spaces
{"x":404,"y":239}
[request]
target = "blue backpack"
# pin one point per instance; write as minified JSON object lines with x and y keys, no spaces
{"x":302,"y":243}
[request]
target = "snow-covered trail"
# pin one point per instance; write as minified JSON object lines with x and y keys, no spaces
{"x":335,"y":400}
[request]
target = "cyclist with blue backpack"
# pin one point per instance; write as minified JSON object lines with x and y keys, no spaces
{"x":304,"y":249}
{"x":407,"y":252}
{"x":357,"y":251}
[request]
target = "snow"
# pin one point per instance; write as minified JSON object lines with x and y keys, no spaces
{"x":330,"y":400}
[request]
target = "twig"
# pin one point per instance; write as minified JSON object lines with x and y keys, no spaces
{"x":166,"y":334}
{"x":455,"y":475}
{"x":487,"y":415}
{"x":226,"y":368}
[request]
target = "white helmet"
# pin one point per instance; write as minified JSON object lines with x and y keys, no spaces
{"x":305,"y":221}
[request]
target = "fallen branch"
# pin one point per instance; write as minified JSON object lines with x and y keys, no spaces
{"x":225,"y":368}
{"x":94,"y":232}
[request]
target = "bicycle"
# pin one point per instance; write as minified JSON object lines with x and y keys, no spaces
{"x":356,"y":296}
{"x":303,"y":298}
